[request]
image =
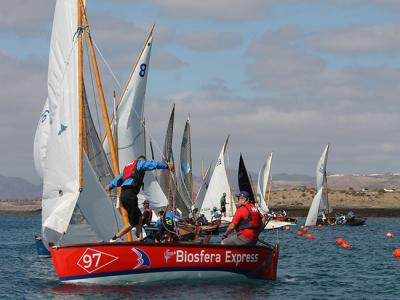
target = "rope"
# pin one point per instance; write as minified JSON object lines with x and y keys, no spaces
{"x":107,"y":65}
{"x":94,"y":93}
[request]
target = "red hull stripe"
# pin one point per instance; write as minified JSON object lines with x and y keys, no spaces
{"x":248,"y":273}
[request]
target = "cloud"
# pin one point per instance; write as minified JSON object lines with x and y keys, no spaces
{"x":167,"y":61}
{"x":22,"y":97}
{"x":211,"y":41}
{"x":221,"y":11}
{"x":26,"y":18}
{"x":295,"y":78}
{"x":257,"y":127}
{"x":376,"y":39}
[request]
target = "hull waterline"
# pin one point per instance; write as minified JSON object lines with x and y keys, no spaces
{"x":108,"y":263}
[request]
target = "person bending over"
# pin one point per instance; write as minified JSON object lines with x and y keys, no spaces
{"x":130,"y":181}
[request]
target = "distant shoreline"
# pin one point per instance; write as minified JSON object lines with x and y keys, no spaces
{"x":292,"y":212}
{"x":359,"y":212}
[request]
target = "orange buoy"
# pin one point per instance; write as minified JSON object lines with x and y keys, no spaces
{"x":287,"y":228}
{"x":346,"y":245}
{"x":339,"y":241}
{"x":313,"y":225}
{"x":396,"y":252}
{"x":305,"y":229}
{"x":389,"y":235}
{"x":302,"y":226}
{"x":299,"y":233}
{"x":309,"y":236}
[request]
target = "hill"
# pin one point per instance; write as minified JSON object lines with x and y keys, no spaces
{"x":15,"y":188}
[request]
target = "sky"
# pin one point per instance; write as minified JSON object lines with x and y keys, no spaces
{"x":281,"y":76}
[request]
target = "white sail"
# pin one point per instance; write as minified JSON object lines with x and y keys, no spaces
{"x":263,"y":182}
{"x":321,"y":177}
{"x":62,"y":198}
{"x":321,"y":168}
{"x":130,"y":131}
{"x":40,"y":141}
{"x":203,"y":188}
{"x":130,"y":111}
{"x":219,"y":184}
{"x":61,"y":172}
{"x":314,"y":208}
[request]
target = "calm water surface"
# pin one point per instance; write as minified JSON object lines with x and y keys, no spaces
{"x":308,"y":269}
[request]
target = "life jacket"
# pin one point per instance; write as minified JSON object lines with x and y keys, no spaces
{"x":130,"y":171}
{"x":253,"y":218}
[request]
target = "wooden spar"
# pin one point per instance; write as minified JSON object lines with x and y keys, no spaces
{"x":270,"y":182}
{"x":80,"y":93}
{"x":121,"y":96}
{"x":191,"y":165}
{"x":105,"y":117}
{"x":229,"y":176}
{"x":135,"y":65}
{"x":326,"y":180}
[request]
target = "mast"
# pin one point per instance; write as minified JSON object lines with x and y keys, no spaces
{"x":326,"y":181}
{"x":106,"y":120}
{"x":270,"y":181}
{"x":80,"y":92}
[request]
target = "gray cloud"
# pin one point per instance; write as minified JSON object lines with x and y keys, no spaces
{"x":22,"y":97}
{"x":222,"y":10}
{"x":298,"y":79}
{"x":375,"y":39}
{"x":26,"y":17}
{"x":211,"y":41}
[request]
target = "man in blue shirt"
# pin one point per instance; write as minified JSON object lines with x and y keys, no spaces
{"x":131,"y":180}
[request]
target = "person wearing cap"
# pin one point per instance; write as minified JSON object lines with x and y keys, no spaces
{"x":247,"y":222}
{"x":215,"y":214}
{"x":130,"y":181}
{"x":147,"y":213}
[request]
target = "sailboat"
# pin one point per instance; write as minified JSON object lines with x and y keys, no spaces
{"x":218,"y":185}
{"x":320,"y":209}
{"x":264,"y":185}
{"x":70,"y":181}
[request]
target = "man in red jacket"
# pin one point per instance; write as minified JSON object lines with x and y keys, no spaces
{"x":247,"y":222}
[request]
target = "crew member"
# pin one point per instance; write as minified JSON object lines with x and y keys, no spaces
{"x":223,"y":204}
{"x":247,"y":222}
{"x":131,"y":180}
{"x":147,"y":213}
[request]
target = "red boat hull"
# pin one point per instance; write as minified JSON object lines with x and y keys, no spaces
{"x":107,"y":263}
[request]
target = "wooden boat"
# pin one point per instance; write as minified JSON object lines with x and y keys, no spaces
{"x":108,"y":263}
{"x":348,"y":222}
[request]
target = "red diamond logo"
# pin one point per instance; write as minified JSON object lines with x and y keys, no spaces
{"x":93,"y":260}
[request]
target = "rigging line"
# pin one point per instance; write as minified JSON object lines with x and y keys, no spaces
{"x":107,"y":65}
{"x":94,"y":94}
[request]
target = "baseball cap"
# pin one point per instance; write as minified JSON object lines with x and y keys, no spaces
{"x":243,"y":194}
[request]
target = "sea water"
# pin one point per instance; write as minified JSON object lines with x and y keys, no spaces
{"x":308,"y":268}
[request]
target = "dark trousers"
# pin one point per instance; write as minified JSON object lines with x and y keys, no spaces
{"x":129,"y":200}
